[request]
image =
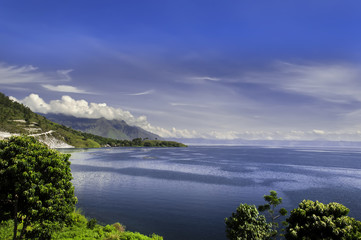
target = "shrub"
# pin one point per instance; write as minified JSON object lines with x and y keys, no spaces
{"x":119,"y":227}
{"x":91,"y":223}
{"x":315,"y":220}
{"x":246,"y":223}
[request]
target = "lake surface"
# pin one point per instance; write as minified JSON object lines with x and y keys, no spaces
{"x":185,"y":193}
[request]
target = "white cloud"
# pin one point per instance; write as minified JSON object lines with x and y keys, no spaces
{"x":83,"y":109}
{"x":318,"y":132}
{"x":35,"y":103}
{"x":64,"y":88}
{"x":80,"y":108}
{"x":172,"y":133}
{"x":229,"y":135}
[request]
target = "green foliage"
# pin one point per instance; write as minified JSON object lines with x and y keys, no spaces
{"x":36,"y":189}
{"x":78,"y":230}
{"x":119,"y":227}
{"x":138,"y":236}
{"x":6,"y":228}
{"x":136,"y":142}
{"x":315,"y":220}
{"x":311,"y":220}
{"x":272,"y":202}
{"x":91,"y":223}
{"x":246,"y":223}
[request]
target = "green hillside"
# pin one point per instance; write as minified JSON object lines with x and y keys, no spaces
{"x":17,"y":118}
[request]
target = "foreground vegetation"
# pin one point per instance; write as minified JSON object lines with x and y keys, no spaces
{"x":310,"y":221}
{"x":19,"y":119}
{"x":80,"y":228}
{"x":37,"y":202}
{"x":37,"y":197}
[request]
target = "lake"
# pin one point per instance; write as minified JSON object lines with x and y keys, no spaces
{"x":185,"y":193}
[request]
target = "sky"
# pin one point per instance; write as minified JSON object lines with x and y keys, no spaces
{"x":227,"y":69}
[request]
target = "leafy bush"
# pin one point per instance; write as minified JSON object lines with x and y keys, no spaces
{"x":246,"y":223}
{"x":119,"y":227}
{"x":91,"y":223}
{"x":315,"y":220}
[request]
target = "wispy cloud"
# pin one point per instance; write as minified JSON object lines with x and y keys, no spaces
{"x":15,"y":88}
{"x":12,"y":75}
{"x":179,"y":104}
{"x":65,"y":73}
{"x":19,"y":78}
{"x":205,"y":78}
{"x":16,"y":74}
{"x":329,"y":82}
{"x":64,"y":88}
{"x":141,"y":93}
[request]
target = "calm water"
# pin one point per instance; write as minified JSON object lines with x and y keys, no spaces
{"x":185,"y":193}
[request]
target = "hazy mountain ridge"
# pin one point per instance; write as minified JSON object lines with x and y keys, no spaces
{"x":116,"y":129}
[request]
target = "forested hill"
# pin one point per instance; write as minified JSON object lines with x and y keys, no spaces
{"x":16,"y":118}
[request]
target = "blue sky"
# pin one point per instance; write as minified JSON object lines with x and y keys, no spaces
{"x":211,"y":69}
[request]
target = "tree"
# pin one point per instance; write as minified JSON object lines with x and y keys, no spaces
{"x":35,"y":187}
{"x":315,"y":220}
{"x":246,"y":223}
{"x":137,"y":142}
{"x":272,"y":202}
{"x":311,"y":220}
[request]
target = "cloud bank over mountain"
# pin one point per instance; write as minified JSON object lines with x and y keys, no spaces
{"x":83,"y":109}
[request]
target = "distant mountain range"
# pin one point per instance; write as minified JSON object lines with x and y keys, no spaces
{"x":116,"y":129}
